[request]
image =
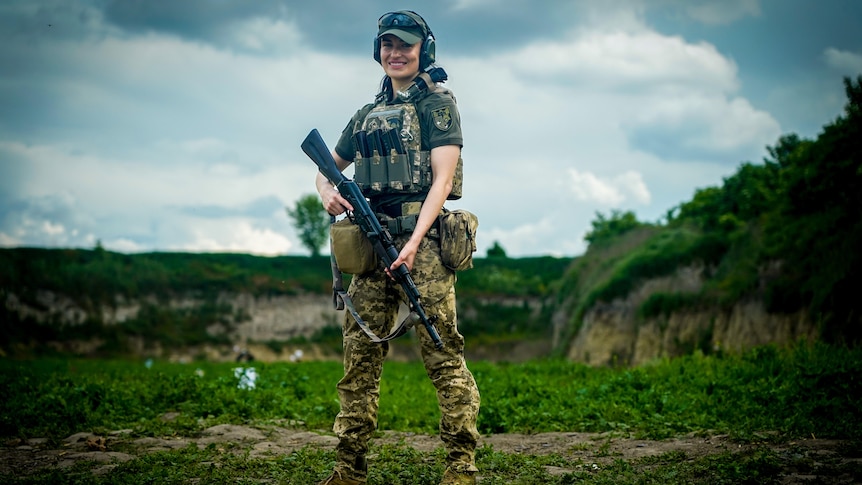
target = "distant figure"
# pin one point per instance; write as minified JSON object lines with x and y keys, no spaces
{"x":244,"y":356}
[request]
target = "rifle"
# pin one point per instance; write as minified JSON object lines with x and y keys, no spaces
{"x":381,"y":241}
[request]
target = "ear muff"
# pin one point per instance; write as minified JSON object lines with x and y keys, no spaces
{"x":427,"y":55}
{"x":377,"y":49}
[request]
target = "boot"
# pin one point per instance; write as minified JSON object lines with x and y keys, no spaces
{"x":337,"y":479}
{"x":452,"y":477}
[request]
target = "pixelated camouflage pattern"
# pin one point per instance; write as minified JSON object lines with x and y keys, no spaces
{"x":377,"y":299}
{"x":453,"y":477}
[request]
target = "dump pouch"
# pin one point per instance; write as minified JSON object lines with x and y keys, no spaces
{"x":458,"y":238}
{"x":352,"y":249}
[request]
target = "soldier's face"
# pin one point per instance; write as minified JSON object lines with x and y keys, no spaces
{"x":399,"y":59}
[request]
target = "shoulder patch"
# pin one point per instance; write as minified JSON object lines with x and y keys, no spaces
{"x":442,"y":118}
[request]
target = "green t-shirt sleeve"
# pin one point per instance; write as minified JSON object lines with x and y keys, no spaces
{"x":440,"y":120}
{"x":345,"y":148}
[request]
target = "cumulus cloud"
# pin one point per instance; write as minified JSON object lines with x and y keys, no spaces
{"x":846,"y":62}
{"x":669,"y":97}
{"x":149,"y":135}
{"x":525,"y":237}
{"x":153,"y":125}
{"x":72,"y":199}
{"x":697,"y":127}
{"x":609,"y":116}
{"x":640,"y":60}
{"x":235,"y":235}
{"x":138,"y":89}
{"x":612,"y":192}
{"x":54,"y":219}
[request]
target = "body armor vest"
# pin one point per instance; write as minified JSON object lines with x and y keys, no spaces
{"x":389,"y":157}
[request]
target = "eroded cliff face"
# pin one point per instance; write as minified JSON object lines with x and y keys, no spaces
{"x":610,"y":334}
{"x":255,"y":319}
{"x":284,"y":317}
{"x":613,"y":334}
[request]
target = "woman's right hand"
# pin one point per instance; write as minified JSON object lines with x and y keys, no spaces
{"x":333,"y":202}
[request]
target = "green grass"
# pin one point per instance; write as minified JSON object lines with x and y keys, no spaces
{"x":795,"y":392}
{"x":780,"y":394}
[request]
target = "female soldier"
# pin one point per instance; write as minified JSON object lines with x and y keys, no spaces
{"x":418,"y":118}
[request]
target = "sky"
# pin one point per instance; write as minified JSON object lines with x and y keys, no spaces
{"x":176,"y":126}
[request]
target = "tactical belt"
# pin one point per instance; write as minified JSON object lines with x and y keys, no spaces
{"x":398,"y":225}
{"x":401,"y":219}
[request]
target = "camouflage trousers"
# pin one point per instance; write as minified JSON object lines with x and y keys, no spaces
{"x":377,"y":299}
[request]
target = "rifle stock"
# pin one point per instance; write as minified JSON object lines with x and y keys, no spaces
{"x":381,"y":240}
{"x":316,"y":149}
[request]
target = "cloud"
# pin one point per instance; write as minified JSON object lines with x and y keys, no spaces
{"x":846,"y":62}
{"x":663,"y":95}
{"x":524,"y":238}
{"x":176,"y":126}
{"x":697,"y":127}
{"x":72,"y":199}
{"x":55,"y":220}
{"x":460,"y":5}
{"x":139,"y":89}
{"x":601,"y":118}
{"x":36,"y":21}
{"x":260,"y":28}
{"x":235,"y":235}
{"x":266,"y":35}
{"x":148,"y":136}
{"x":720,"y":13}
{"x":640,"y":60}
{"x":609,"y":192}
{"x":260,"y":208}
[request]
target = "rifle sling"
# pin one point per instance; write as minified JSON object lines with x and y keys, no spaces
{"x":398,"y":331}
{"x":340,"y":300}
{"x":337,"y":278}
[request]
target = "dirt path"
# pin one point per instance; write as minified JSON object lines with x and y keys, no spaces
{"x":588,"y":449}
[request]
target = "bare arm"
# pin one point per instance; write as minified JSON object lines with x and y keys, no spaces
{"x":444,"y":161}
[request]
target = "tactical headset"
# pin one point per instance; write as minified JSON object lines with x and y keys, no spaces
{"x":408,"y":19}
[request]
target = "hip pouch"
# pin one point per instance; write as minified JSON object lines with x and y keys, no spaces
{"x":458,"y":238}
{"x":351,"y":248}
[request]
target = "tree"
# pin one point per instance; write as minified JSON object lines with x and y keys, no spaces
{"x":311,"y":222}
{"x":816,"y":229}
{"x":606,"y":228}
{"x":746,"y":195}
{"x":496,"y":251}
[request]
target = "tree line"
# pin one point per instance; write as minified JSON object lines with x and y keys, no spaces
{"x":788,"y":229}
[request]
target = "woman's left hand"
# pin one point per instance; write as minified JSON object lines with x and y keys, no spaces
{"x":406,"y":256}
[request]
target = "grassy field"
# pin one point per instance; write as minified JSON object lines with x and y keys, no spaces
{"x":780,"y":394}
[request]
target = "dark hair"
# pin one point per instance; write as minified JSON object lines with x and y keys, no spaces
{"x":385,"y":86}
